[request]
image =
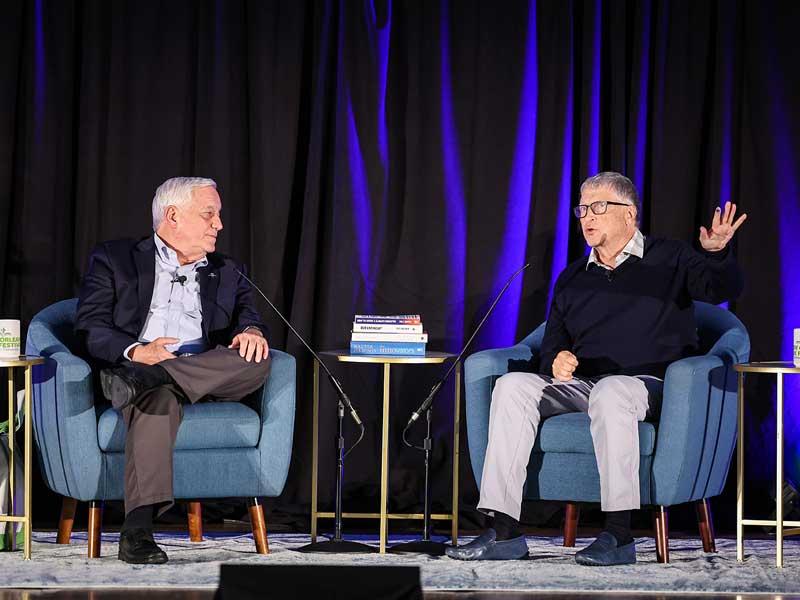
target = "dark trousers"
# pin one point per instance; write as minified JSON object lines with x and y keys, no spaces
{"x":219,"y":374}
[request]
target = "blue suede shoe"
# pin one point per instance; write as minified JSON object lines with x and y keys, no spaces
{"x":604,"y":552}
{"x":486,"y":547}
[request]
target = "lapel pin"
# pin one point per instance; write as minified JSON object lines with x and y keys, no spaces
{"x":210,"y":275}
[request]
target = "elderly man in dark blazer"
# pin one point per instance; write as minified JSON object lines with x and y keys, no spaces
{"x":167,"y":320}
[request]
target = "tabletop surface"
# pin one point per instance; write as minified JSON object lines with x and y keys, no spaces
{"x":20,"y":361}
{"x":429,"y":358}
{"x":772,"y":366}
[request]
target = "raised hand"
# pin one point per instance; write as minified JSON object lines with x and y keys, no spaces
{"x":722,"y":228}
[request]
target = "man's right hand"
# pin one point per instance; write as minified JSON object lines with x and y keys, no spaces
{"x":564,"y":365}
{"x":154,"y":352}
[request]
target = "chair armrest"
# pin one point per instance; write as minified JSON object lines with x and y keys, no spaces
{"x":696,"y":431}
{"x":65,"y":426}
{"x":277,"y":410}
{"x":481,"y":370}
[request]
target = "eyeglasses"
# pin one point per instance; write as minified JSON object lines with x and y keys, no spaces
{"x":599,"y":208}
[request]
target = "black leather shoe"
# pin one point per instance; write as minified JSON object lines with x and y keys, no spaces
{"x":486,"y":547}
{"x":136,"y":546}
{"x":123,"y":385}
{"x":604,"y":552}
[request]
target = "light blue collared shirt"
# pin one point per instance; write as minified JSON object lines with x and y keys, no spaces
{"x":175,"y":308}
{"x":635,"y":247}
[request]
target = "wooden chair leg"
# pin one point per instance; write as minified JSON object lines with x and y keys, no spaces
{"x":65,"y":521}
{"x":705,"y":522}
{"x":195,"y":514}
{"x":571,"y":517}
{"x":661,"y":526}
{"x":95,"y":527}
{"x":259,"y":526}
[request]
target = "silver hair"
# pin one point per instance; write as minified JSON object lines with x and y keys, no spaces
{"x":176,"y":192}
{"x":617,"y":183}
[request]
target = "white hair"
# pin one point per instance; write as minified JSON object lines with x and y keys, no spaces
{"x":176,"y":192}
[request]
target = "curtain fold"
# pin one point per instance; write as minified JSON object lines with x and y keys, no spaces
{"x":388,"y":156}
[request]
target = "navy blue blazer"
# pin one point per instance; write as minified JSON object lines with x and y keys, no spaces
{"x":117,"y":290}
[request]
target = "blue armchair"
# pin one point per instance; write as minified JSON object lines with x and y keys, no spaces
{"x":223,"y":449}
{"x":685,"y":456}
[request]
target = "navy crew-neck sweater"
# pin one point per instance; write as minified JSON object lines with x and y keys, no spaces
{"x":638,"y":318}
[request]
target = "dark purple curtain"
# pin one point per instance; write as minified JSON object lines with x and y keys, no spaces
{"x":404,"y":156}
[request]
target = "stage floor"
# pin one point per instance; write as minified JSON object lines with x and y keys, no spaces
{"x":550,"y":572}
{"x":123,"y":594}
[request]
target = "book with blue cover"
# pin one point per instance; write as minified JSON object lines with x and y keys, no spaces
{"x":388,"y":348}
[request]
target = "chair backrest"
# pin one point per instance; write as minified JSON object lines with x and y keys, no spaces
{"x":721,"y":333}
{"x":52,"y":329}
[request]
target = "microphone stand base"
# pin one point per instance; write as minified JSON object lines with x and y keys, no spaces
{"x":419,"y":547}
{"x":338,"y":546}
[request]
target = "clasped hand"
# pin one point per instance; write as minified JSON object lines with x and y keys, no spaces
{"x":564,"y":365}
{"x":251,"y":344}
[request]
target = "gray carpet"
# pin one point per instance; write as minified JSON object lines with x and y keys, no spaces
{"x":551,"y":567}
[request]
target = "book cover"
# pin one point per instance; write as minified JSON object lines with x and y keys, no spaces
{"x":421,"y":338}
{"x":388,"y":319}
{"x":388,"y":348}
{"x":417,"y":317}
{"x":380,"y":328}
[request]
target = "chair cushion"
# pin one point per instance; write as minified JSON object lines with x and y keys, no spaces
{"x":205,"y":425}
{"x":570,"y":433}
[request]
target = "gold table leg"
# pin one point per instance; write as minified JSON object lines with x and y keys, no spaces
{"x":384,"y":527}
{"x":740,"y":473}
{"x":28,"y":467}
{"x":779,"y":475}
{"x":456,"y":427}
{"x":12,"y":455}
{"x":314,"y":452}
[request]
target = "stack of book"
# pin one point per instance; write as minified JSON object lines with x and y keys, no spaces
{"x":388,"y":335}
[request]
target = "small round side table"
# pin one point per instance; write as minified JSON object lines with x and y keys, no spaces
{"x":387,"y":362}
{"x":26,"y":362}
{"x":778,"y":369}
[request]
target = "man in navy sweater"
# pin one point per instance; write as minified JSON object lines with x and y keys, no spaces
{"x":617,"y":320}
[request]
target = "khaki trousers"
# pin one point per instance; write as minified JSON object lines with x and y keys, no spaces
{"x":615,"y":404}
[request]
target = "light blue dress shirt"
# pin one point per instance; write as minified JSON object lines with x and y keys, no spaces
{"x":175,"y":308}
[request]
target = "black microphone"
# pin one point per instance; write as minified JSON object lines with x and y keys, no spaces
{"x":334,"y":382}
{"x":179,"y":279}
{"x":429,"y":400}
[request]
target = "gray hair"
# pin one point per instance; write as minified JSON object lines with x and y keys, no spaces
{"x":176,"y":192}
{"x":617,"y":183}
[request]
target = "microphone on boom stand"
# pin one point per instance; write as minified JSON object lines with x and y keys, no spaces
{"x":426,"y":545}
{"x":337,"y":544}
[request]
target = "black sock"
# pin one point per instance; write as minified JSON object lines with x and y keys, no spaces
{"x":151,"y":375}
{"x":139,"y":518}
{"x":618,"y":524}
{"x":506,"y":527}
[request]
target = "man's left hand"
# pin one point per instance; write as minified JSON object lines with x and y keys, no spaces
{"x":251,"y":344}
{"x":722,"y":229}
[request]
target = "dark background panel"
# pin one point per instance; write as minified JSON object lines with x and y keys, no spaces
{"x":404,"y":157}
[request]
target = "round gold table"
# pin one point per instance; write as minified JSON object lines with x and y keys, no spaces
{"x":26,"y":362}
{"x":778,"y":369}
{"x":387,"y":362}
